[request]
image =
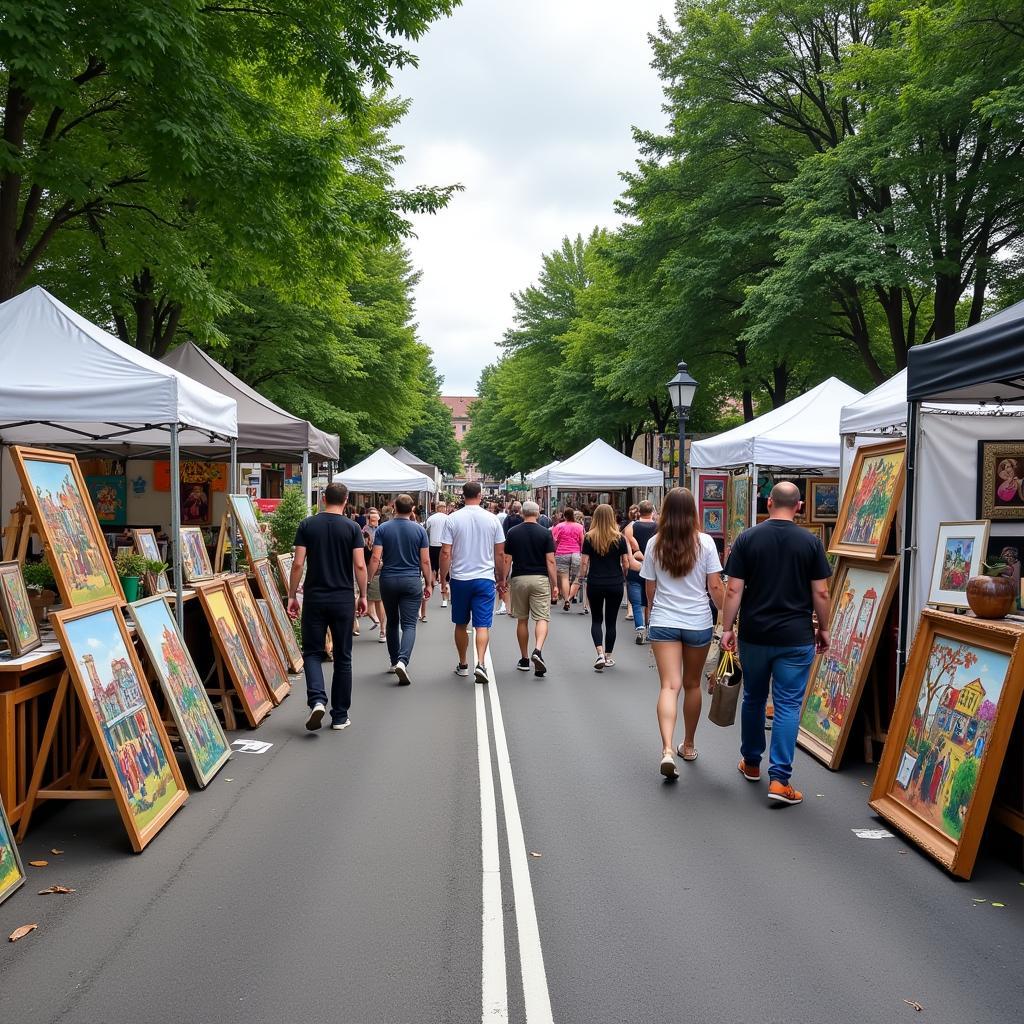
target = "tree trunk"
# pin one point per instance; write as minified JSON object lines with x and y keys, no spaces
{"x":16,"y":112}
{"x":947,"y":294}
{"x":748,"y":405}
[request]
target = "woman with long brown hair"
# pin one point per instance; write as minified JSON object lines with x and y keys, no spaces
{"x":681,"y":567}
{"x":603,"y":567}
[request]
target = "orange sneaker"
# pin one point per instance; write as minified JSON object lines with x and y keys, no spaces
{"x":784,"y":793}
{"x":751,"y":772}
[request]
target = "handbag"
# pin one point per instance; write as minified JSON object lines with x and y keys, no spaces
{"x":726,"y":682}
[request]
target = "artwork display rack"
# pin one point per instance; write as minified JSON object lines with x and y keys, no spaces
{"x":19,"y":532}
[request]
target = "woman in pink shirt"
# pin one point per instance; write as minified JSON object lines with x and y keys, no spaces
{"x":568,"y":535}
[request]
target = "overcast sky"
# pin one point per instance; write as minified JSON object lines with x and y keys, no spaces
{"x":529,"y":104}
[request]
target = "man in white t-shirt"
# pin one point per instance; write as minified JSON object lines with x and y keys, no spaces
{"x":473,"y":549}
{"x":435,"y":528}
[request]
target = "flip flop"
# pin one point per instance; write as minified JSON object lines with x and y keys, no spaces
{"x":686,"y":757}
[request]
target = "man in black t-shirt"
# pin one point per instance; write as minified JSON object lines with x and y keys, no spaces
{"x":778,"y":577}
{"x":330,"y":548}
{"x":530,"y":550}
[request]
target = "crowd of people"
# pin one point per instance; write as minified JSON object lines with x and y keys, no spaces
{"x":499,"y":558}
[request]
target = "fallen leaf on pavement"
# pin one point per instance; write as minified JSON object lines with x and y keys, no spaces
{"x":865,"y":785}
{"x":534,"y":853}
{"x":20,"y":933}
{"x":975,"y":900}
{"x":229,"y":780}
{"x":916,"y":1006}
{"x":56,"y":853}
{"x":998,"y":904}
{"x":38,"y":863}
{"x":56,"y":890}
{"x":902,"y":851}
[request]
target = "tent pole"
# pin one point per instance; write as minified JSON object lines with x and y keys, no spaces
{"x":307,"y":480}
{"x":231,"y":490}
{"x":179,"y":603}
{"x":909,"y":549}
{"x":753,"y":493}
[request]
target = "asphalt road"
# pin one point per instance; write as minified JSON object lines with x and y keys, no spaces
{"x":339,"y":877}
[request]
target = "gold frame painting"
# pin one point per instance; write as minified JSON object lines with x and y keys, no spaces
{"x":860,"y":609}
{"x":146,"y":545}
{"x":950,"y":543}
{"x":191,"y":553}
{"x":1000,"y":499}
{"x":811,"y":505}
{"x":12,"y":871}
{"x":122,"y":716}
{"x":74,"y":545}
{"x":949,"y":732}
{"x":268,"y":591}
{"x":275,"y":675}
{"x":867,"y":511}
{"x":16,"y":611}
{"x":268,"y":621}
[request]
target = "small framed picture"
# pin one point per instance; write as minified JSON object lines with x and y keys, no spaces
{"x":12,"y":872}
{"x":823,"y":500}
{"x":19,"y":624}
{"x":959,"y":551}
{"x":713,"y":521}
{"x":1001,"y":480}
{"x":1009,"y":550}
{"x":870,"y":501}
{"x":713,"y":489}
{"x":818,"y":529}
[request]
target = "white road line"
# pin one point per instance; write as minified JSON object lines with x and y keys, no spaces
{"x":536,"y":997}
{"x":495,"y":983}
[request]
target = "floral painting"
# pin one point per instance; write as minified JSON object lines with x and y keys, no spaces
{"x":872,"y":496}
{"x":109,"y":497}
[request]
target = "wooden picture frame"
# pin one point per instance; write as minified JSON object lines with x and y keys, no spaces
{"x":818,"y":529}
{"x":195,"y":559}
{"x":122,"y":717}
{"x":73,"y":540}
{"x":861,"y":594}
{"x":738,"y":517}
{"x":822,"y":499}
{"x":870,"y":501}
{"x":268,"y":621}
{"x":16,"y":615}
{"x":234,"y":650}
{"x":12,"y":871}
{"x":268,"y":591}
{"x":1000,"y":493}
{"x":272,"y":669}
{"x":244,"y":513}
{"x":284,"y":570}
{"x":949,"y":732}
{"x":960,"y":549}
{"x":714,"y":488}
{"x":147,"y":546}
{"x":199,"y":729}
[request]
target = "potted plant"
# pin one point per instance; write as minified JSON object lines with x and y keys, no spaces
{"x":130,"y":568}
{"x":155,"y":568}
{"x":41,"y":586}
{"x":992,"y":594}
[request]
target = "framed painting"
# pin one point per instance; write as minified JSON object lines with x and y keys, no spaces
{"x":1001,"y":481}
{"x":284,"y":570}
{"x":195,"y":559}
{"x":244,"y":512}
{"x":195,"y":504}
{"x":12,"y":871}
{"x":1009,"y":550}
{"x":818,"y":529}
{"x":15,"y":611}
{"x":146,"y":545}
{"x":823,"y":500}
{"x":275,"y":675}
{"x":870,"y":501}
{"x":948,"y":736}
{"x":234,"y":650}
{"x":739,"y":506}
{"x":145,"y":779}
{"x":861,"y":595}
{"x":268,"y":621}
{"x":75,"y":547}
{"x":199,"y":730}
{"x":713,"y":521}
{"x":713,"y":489}
{"x":268,"y":591}
{"x":959,"y":553}
{"x":109,"y":495}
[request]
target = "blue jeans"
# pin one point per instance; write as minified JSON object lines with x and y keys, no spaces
{"x":785,"y":670}
{"x":636,"y":592}
{"x":317,"y":618}
{"x":401,"y":596}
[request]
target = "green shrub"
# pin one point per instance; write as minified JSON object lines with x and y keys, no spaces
{"x":286,"y":518}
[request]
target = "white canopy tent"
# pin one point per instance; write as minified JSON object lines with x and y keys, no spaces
{"x":802,"y":434}
{"x":538,"y":474}
{"x":597,"y":466}
{"x":382,"y":472}
{"x":66,"y":382}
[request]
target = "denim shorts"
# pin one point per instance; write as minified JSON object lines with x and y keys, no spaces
{"x":674,"y":635}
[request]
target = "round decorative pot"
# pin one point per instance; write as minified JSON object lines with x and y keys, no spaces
{"x":132,"y":587}
{"x":991,"y":597}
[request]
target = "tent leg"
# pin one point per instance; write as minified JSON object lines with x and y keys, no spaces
{"x":179,"y":604}
{"x":753,"y":493}
{"x":909,"y":549}
{"x":307,"y":479}
{"x":231,"y":490}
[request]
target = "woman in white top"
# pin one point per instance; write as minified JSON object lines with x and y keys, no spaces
{"x":681,"y":567}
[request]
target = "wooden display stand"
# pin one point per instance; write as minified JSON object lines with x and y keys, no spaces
{"x":225,"y":537}
{"x":18,"y":533}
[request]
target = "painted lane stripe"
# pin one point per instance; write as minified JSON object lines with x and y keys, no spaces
{"x":495,"y":983}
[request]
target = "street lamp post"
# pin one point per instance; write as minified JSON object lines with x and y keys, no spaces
{"x":681,"y":389}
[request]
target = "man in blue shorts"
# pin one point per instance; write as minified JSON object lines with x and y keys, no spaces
{"x":472,"y":550}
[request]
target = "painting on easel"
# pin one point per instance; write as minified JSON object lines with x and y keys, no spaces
{"x":145,"y":779}
{"x":244,"y":512}
{"x":12,"y":871}
{"x":16,"y":616}
{"x":56,"y":494}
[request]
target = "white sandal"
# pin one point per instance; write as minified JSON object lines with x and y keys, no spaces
{"x":668,"y":766}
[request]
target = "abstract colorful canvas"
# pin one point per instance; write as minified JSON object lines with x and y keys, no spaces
{"x":739,"y":506}
{"x":959,"y":553}
{"x":146,"y":545}
{"x":275,"y":677}
{"x":713,"y":521}
{"x":12,"y":872}
{"x":78,"y":554}
{"x":198,"y":728}
{"x":872,"y":497}
{"x":195,"y":559}
{"x":244,"y":512}
{"x":268,"y":591}
{"x":133,"y":747}
{"x":949,"y":733}
{"x":1001,"y":480}
{"x":861,"y":596}
{"x":16,"y":616}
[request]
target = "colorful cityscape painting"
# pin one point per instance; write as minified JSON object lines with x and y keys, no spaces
{"x":268,"y":621}
{"x":198,"y":727}
{"x":195,"y":559}
{"x":16,"y":617}
{"x":268,"y":591}
{"x":77,"y":551}
{"x":112,"y":690}
{"x":12,"y":873}
{"x":957,"y":702}
{"x":245,"y":517}
{"x":957,"y":554}
{"x":273,"y":671}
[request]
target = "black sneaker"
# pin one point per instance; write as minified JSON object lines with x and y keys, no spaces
{"x":480,"y":674}
{"x":524,"y":665}
{"x":539,"y":668}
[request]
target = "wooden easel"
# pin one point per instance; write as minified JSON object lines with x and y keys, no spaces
{"x":225,"y":539}
{"x":18,"y":532}
{"x":218,"y":685}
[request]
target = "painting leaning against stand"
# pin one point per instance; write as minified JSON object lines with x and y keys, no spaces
{"x":244,"y":513}
{"x":16,"y":616}
{"x":275,"y":675}
{"x":269,"y":592}
{"x":870,"y":501}
{"x":949,"y":733}
{"x":146,"y":545}
{"x":12,"y":871}
{"x":959,"y":553}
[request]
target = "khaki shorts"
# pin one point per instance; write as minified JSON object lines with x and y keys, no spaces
{"x":530,"y":598}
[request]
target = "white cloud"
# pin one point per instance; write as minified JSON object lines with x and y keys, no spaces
{"x":530,"y":105}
